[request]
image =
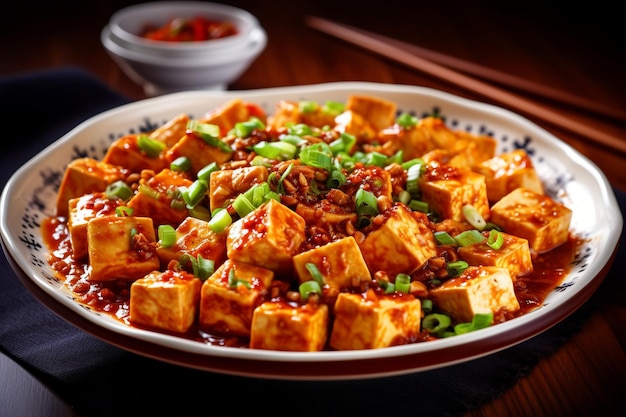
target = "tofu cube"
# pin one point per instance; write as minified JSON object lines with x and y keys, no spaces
{"x":125,"y":152}
{"x":447,"y":189}
{"x":413,"y":143}
{"x":514,"y":255}
{"x":199,"y":152}
{"x":269,"y":236}
{"x":287,"y":327}
{"x":227,"y":184}
{"x":478,"y":290}
{"x":156,"y":202}
{"x":165,"y":300}
{"x":340,"y":263}
{"x":227,"y":115}
{"x":508,"y":171}
{"x":371,"y":321}
{"x":121,"y":248}
{"x":226,"y":307}
{"x":379,"y":112}
{"x":172,"y":131}
{"x":355,"y":124}
{"x":81,"y":210}
{"x":83,"y":176}
{"x":401,"y":244}
{"x":194,"y":237}
{"x":536,"y":217}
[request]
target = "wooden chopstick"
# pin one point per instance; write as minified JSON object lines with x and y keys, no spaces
{"x":403,"y":55}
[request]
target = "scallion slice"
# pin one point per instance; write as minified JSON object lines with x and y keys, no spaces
{"x":243,"y":205}
{"x":167,"y":235}
{"x":444,"y":238}
{"x":366,"y":203}
{"x":473,"y":217}
{"x":280,"y":150}
{"x":151,"y":147}
{"x":220,"y":221}
{"x":181,"y":164}
{"x":123,"y":211}
{"x":333,"y":108}
{"x":195,"y":193}
{"x":205,"y":172}
{"x":479,"y":321}
{"x":309,"y":287}
{"x":307,"y":106}
{"x":210,"y":133}
{"x":315,"y":273}
{"x":456,"y":268}
{"x":118,"y":189}
{"x":469,"y":237}
{"x":412,"y":178}
{"x":495,"y":239}
{"x":403,"y":283}
{"x":436,"y":322}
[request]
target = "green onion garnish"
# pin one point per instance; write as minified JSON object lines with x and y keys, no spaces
{"x":309,"y":287}
{"x":194,"y":193}
{"x":406,"y":121}
{"x":333,"y":108}
{"x":233,"y":281}
{"x":403,"y":283}
{"x":118,"y":189}
{"x":205,"y":172}
{"x":307,"y":106}
{"x":495,"y":239}
{"x":151,"y":147}
{"x":456,"y":268}
{"x":444,"y":238}
{"x":473,"y":217}
{"x":435,"y":322}
{"x":280,"y":150}
{"x":315,"y":273}
{"x":412,"y":178}
{"x":167,"y":235}
{"x":220,"y":221}
{"x":181,"y":164}
{"x":479,"y":321}
{"x":469,"y":237}
{"x":210,"y":133}
{"x":123,"y":211}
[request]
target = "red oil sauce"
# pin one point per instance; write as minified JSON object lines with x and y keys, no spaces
{"x":113,"y":297}
{"x":190,"y":30}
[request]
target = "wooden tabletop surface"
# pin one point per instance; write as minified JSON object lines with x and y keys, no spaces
{"x":573,"y":48}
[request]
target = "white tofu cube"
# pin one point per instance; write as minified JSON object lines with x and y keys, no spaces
{"x":288,"y":327}
{"x":514,"y":255}
{"x":371,"y":321}
{"x":478,"y":290}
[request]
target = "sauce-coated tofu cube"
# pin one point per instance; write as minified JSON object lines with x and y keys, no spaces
{"x":121,"y":248}
{"x":227,"y":115}
{"x":340,"y":263}
{"x":165,"y":300}
{"x":227,"y":301}
{"x":282,"y":326}
{"x":227,"y":184}
{"x":447,"y":189}
{"x":536,"y":217}
{"x":269,"y":236}
{"x":172,"y":131}
{"x":413,"y":142}
{"x":156,"y":200}
{"x":370,"y":321}
{"x":514,"y":255}
{"x":508,"y":171}
{"x":355,"y":124}
{"x":379,"y":112}
{"x":401,"y":244}
{"x":125,"y":152}
{"x":194,"y":237}
{"x":199,"y":152}
{"x":478,"y":290}
{"x":83,"y":176}
{"x":82,"y":209}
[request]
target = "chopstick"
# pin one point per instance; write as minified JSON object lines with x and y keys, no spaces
{"x":404,"y":55}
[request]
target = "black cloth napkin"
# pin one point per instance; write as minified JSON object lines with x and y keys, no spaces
{"x":102,"y":380}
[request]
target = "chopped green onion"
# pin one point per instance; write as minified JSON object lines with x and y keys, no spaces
{"x":167,"y":235}
{"x":307,"y":106}
{"x":495,"y":239}
{"x":205,"y":172}
{"x":118,"y":189}
{"x":415,"y":161}
{"x":436,"y":322}
{"x":233,"y":281}
{"x":200,"y":212}
{"x":469,"y":237}
{"x":427,"y":305}
{"x":418,"y":205}
{"x":336,"y":179}
{"x":279,"y":150}
{"x":123,"y":211}
{"x":220,"y":221}
{"x":210,"y":133}
{"x":388,"y":287}
{"x":366,"y":203}
{"x":474,"y":218}
{"x":293,"y":139}
{"x":315,"y":273}
{"x":479,"y":321}
{"x":201,"y":267}
{"x":444,"y":238}
{"x":181,"y":164}
{"x":309,"y":287}
{"x":333,"y":108}
{"x":397,"y":157}
{"x":242,"y":205}
{"x":245,"y":129}
{"x":195,"y":193}
{"x":456,"y":268}
{"x":300,"y":130}
{"x":376,"y":159}
{"x":151,"y":147}
{"x":404,"y":197}
{"x":403,"y":283}
{"x":412,"y":178}
{"x":344,"y":143}
{"x":406,"y":121}
{"x":317,"y":155}
{"x":149,"y":191}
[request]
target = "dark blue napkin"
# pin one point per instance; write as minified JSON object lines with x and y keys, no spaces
{"x":102,"y":380}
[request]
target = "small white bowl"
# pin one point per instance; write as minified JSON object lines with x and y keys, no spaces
{"x":165,"y":74}
{"x":166,"y":67}
{"x":127,"y":24}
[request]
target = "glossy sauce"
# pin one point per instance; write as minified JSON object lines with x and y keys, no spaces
{"x":113,"y":297}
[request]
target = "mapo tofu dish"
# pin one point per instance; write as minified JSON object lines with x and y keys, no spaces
{"x":316,"y":226}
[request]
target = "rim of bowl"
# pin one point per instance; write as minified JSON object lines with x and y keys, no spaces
{"x":257,"y":41}
{"x":123,"y":23}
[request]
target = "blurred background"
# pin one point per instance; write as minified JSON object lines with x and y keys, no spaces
{"x":557,"y":34}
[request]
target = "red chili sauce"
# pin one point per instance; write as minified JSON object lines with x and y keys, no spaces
{"x":189,"y":30}
{"x":113,"y":297}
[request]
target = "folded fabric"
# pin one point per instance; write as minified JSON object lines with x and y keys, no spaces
{"x":100,"y":379}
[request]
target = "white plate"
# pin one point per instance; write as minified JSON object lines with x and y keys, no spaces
{"x":30,"y":196}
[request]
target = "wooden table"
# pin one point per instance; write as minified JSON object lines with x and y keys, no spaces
{"x":577,"y":50}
